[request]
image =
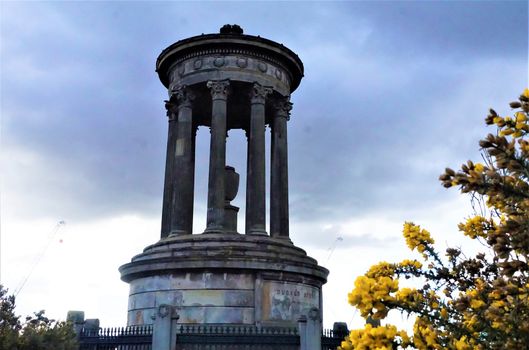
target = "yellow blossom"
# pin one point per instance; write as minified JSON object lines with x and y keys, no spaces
{"x":416,"y":238}
{"x":462,"y":344}
{"x":520,"y":117}
{"x":371,"y":294}
{"x":411,"y":263}
{"x":424,"y":335}
{"x":475,"y":227}
{"x":476,"y":304}
{"x":381,"y":269}
{"x":379,"y":338}
{"x":479,"y":167}
{"x":506,"y":132}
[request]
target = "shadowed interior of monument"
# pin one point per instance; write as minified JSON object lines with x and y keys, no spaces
{"x":238,"y":106}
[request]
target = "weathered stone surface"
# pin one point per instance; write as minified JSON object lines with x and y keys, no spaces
{"x":141,"y":316}
{"x":285,"y":301}
{"x":229,"y":280}
{"x":198,"y":315}
{"x":192,"y":281}
{"x":217,"y":155}
{"x":247,"y":69}
{"x":221,"y":253}
{"x":279,"y":299}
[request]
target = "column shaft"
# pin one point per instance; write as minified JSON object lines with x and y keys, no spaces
{"x":183,"y":166}
{"x":279,"y":225}
{"x":255,"y":179}
{"x":217,"y":156}
{"x":168,"y":182}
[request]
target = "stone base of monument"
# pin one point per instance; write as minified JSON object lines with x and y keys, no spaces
{"x":224,"y":279}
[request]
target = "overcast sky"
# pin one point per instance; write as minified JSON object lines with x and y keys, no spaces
{"x":393,"y":93}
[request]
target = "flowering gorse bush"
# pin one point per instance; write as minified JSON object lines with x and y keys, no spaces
{"x":463,"y":303}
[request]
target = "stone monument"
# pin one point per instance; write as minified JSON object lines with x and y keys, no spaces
{"x":225,"y":81}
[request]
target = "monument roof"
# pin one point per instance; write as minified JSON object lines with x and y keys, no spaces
{"x":230,"y":40}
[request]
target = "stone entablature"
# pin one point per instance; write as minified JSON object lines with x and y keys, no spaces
{"x":230,"y":66}
{"x":259,"y":50}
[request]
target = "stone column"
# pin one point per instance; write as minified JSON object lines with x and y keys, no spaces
{"x":183,"y":173}
{"x":279,"y":170}
{"x":255,"y":178}
{"x":167,"y":206}
{"x":302,"y":330}
{"x":314,"y":329}
{"x":217,"y":156}
{"x":161,"y":332}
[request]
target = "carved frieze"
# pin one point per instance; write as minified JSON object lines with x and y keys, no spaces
{"x":263,"y":67}
{"x":242,"y":62}
{"x":231,"y":63}
{"x":218,"y":62}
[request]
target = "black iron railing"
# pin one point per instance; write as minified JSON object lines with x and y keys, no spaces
{"x":198,"y":336}
{"x":120,"y":338}
{"x":330,"y":339}
{"x":188,"y":337}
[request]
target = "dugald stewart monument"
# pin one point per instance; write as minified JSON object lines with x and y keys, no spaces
{"x":258,"y":277}
{"x":220,"y":288}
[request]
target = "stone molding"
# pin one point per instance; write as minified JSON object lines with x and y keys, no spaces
{"x":220,"y":251}
{"x":212,"y":58}
{"x":165,"y":310}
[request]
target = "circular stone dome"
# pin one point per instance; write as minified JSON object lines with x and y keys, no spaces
{"x":236,"y":56}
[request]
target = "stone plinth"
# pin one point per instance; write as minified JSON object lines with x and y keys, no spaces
{"x":224,"y":279}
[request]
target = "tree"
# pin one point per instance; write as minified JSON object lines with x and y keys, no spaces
{"x":479,"y":302}
{"x":37,"y":332}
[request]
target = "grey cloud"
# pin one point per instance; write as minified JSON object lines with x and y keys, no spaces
{"x":464,"y":30}
{"x":80,"y":91}
{"x":334,"y":237}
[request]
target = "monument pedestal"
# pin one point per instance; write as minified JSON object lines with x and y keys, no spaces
{"x":224,"y":279}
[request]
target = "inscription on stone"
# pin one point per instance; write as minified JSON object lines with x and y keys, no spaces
{"x":287,"y":301}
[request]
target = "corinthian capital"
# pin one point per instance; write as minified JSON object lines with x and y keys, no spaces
{"x":182,"y":96}
{"x":219,"y":89}
{"x":172,"y":108}
{"x":282,"y":107}
{"x":259,"y":93}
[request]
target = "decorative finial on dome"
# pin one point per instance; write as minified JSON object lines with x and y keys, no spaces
{"x":231,"y":29}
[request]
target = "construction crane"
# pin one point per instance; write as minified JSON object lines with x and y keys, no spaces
{"x":39,"y":256}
